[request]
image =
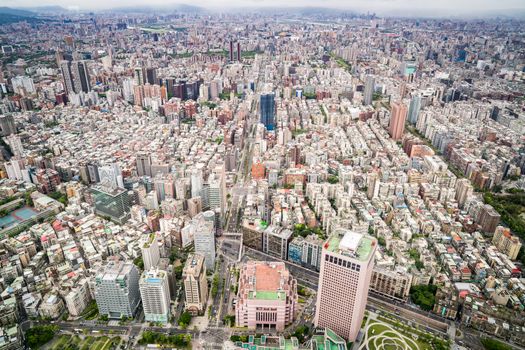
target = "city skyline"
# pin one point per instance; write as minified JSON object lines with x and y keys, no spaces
{"x":402,"y":8}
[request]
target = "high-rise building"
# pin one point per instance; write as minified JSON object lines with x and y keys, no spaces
{"x":275,"y":241}
{"x":112,"y":202}
{"x":369,"y":90}
{"x":117,"y":290}
{"x":195,"y":284}
{"x":413,"y":109}
{"x":80,"y":76}
{"x":7,"y":125}
{"x":15,"y":144}
{"x":346,"y":268}
{"x":65,"y":67}
{"x":216,"y":193}
{"x":464,"y":190}
{"x":150,"y":251}
{"x":267,"y":297}
{"x":196,"y":182}
{"x":398,"y":116}
{"x":143,"y":165}
{"x":23,"y":85}
{"x":151,"y":75}
{"x":155,"y":294}
{"x":506,"y":242}
{"x":231,"y":51}
{"x":267,"y":106}
{"x":204,"y":238}
{"x":76,"y":76}
{"x":238,"y":51}
{"x":139,"y":76}
{"x":488,"y":218}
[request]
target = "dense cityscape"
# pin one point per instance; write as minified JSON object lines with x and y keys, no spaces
{"x":316,"y":180}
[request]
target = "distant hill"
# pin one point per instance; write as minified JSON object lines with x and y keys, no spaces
{"x":45,"y":9}
{"x":162,"y":8}
{"x":15,"y":12}
{"x":10,"y":15}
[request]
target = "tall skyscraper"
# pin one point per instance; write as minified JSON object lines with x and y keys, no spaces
{"x":155,"y":294}
{"x":76,"y":76}
{"x":204,"y":238}
{"x":238,"y":51}
{"x":231,"y":51}
{"x":150,"y":251}
{"x":80,"y":76}
{"x":117,"y":290}
{"x":7,"y":125}
{"x":369,"y":90}
{"x":195,"y":284}
{"x":413,"y":109}
{"x":196,"y":182}
{"x":267,"y":106}
{"x":139,"y":76}
{"x":143,"y":164}
{"x":151,"y":75}
{"x":398,"y":116}
{"x":65,"y":67}
{"x":346,"y":268}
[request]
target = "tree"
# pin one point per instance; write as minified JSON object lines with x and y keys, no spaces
{"x":185,"y":319}
{"x":139,"y":262}
{"x":493,"y":344}
{"x":40,"y":335}
{"x":333,"y":179}
{"x":424,"y":296}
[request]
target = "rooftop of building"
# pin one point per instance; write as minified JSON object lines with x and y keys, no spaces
{"x":351,"y":244}
{"x":194,"y":265}
{"x":153,"y":276}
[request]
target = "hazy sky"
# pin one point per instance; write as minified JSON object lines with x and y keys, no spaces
{"x":452,"y":7}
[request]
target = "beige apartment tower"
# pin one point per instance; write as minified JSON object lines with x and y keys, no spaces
{"x":347,"y":262}
{"x":195,"y":284}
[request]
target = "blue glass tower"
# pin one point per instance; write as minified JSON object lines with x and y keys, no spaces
{"x":268,"y":110}
{"x":413,"y":110}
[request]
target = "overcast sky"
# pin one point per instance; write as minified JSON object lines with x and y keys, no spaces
{"x":452,"y":7}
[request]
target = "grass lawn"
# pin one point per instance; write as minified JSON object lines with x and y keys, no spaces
{"x":64,"y":342}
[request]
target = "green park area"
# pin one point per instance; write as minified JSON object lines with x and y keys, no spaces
{"x":76,"y":342}
{"x":387,"y":334}
{"x":511,"y":206}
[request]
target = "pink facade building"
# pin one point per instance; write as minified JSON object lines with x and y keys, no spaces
{"x":398,"y":116}
{"x":267,"y":297}
{"x":346,"y":268}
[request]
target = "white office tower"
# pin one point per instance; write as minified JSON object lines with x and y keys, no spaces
{"x":155,"y":294}
{"x":150,"y":251}
{"x":369,"y":90}
{"x":127,"y":90}
{"x":204,"y":237}
{"x":117,"y":290}
{"x":217,"y":191}
{"x":111,"y":176}
{"x":196,"y":182}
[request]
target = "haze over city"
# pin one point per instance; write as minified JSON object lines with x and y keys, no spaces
{"x":298,"y":175}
